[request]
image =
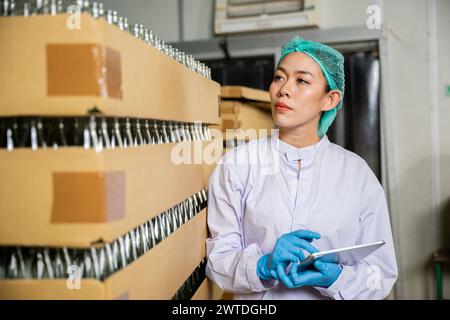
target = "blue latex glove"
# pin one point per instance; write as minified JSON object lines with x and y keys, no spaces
{"x":324,"y":274}
{"x":288,"y":248}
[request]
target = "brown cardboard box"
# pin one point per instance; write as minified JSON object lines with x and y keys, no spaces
{"x":208,"y":291}
{"x":245,"y":108}
{"x":156,"y":275}
{"x":75,"y":197}
{"x":48,"y":69}
{"x":245,"y":93}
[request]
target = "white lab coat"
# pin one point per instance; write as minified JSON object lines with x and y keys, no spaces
{"x":257,"y":193}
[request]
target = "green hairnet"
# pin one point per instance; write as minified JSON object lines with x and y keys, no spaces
{"x":331,"y":62}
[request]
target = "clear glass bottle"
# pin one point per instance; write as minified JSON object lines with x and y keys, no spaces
{"x":12,"y":8}
{"x":151,"y":238}
{"x":13,"y":265}
{"x":109,"y":259}
{"x":87,"y":142}
{"x":115,"y":18}
{"x":138,"y":139}
{"x":115,"y":135}
{"x":88,"y":270}
{"x":165,"y":135}
{"x":24,"y":9}
{"x":105,"y":133}
{"x":134,"y":245}
{"x":134,"y":28}
{"x":193,"y":132}
{"x":116,"y":255}
{"x":58,"y":264}
{"x":101,"y":10}
{"x":121,"y":23}
{"x":96,"y":141}
{"x":147,"y":132}
{"x":95,"y":10}
{"x":109,"y":16}
{"x":127,"y":137}
{"x":170,"y":132}
{"x":157,"y":138}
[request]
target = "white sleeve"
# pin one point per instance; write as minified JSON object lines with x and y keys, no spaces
{"x":231,"y":266}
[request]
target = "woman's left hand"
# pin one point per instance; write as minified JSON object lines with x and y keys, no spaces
{"x":324,"y":275}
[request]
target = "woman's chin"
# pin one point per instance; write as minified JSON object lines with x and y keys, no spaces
{"x":283,"y":123}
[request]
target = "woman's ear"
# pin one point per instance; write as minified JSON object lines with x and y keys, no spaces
{"x":331,"y":100}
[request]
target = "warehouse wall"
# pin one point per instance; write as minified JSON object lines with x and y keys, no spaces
{"x":414,"y":121}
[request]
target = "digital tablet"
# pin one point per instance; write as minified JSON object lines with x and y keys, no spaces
{"x":349,"y":255}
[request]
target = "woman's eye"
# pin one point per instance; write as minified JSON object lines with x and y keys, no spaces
{"x":277,"y":78}
{"x":301,"y":81}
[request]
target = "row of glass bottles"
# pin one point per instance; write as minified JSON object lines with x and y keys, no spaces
{"x":230,"y":144}
{"x":95,"y":132}
{"x":30,"y":7}
{"x":97,"y":10}
{"x":98,"y":262}
{"x":191,"y":285}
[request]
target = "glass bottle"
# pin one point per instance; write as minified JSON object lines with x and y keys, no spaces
{"x":127,"y":137}
{"x":138,"y":139}
{"x":104,"y":133}
{"x":165,"y":136}
{"x":110,"y":259}
{"x":24,"y":9}
{"x":170,"y":132}
{"x":96,"y":140}
{"x":147,"y":133}
{"x":58,"y":264}
{"x":109,"y":16}
{"x":115,"y":136}
{"x":95,"y":10}
{"x":157,"y":139}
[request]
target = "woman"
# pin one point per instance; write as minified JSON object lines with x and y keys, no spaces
{"x":301,"y":193}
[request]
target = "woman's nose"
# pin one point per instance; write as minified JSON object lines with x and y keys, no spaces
{"x":285,"y":90}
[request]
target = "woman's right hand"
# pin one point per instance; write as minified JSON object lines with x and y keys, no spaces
{"x":288,"y":248}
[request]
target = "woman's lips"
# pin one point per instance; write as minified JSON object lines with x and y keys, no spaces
{"x":281,"y":107}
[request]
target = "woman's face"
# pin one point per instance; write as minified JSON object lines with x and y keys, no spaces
{"x":298,"y":93}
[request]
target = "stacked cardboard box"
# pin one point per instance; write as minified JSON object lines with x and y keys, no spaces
{"x":246,"y":112}
{"x":77,"y":198}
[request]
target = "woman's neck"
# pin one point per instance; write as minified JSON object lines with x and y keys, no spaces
{"x":298,"y":137}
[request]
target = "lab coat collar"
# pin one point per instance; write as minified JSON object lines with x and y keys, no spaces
{"x":292,"y":153}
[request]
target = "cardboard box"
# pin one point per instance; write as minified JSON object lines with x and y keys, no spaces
{"x":156,"y":275}
{"x":245,"y":116}
{"x":46,"y":68}
{"x":208,"y":291}
{"x":74,"y":197}
{"x":245,"y":108}
{"x":245,"y":93}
